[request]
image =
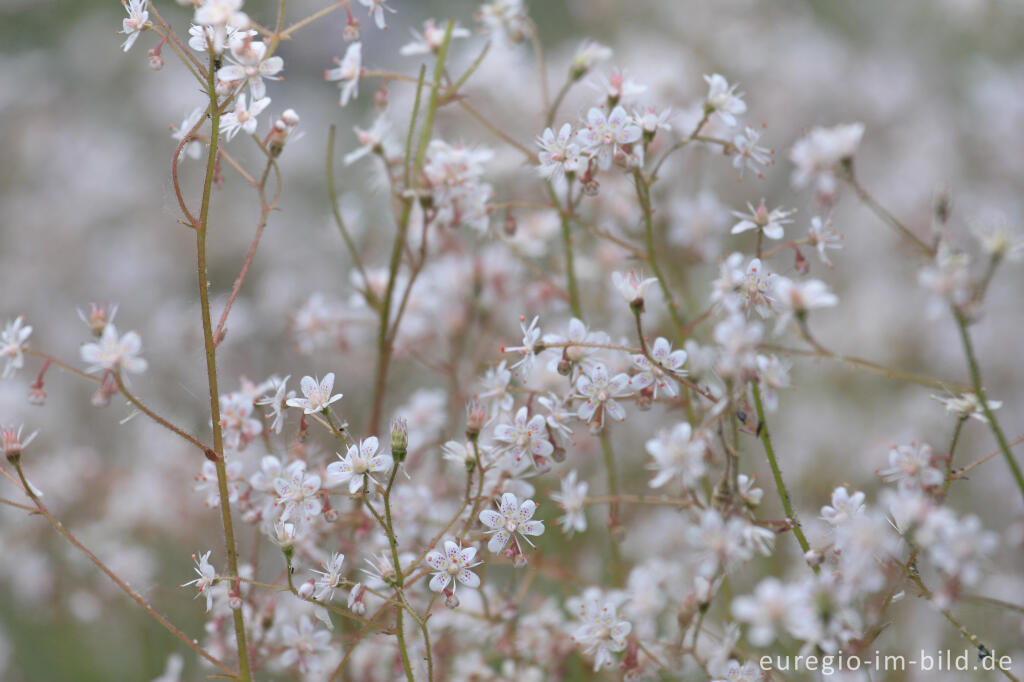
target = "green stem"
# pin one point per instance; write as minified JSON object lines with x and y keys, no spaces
{"x":643,"y":193}
{"x":349,"y":243}
{"x":979,"y":390}
{"x":211,"y":368}
{"x":613,"y":511}
{"x":787,"y":505}
{"x":570,"y":265}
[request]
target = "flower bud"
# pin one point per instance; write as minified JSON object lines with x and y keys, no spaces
{"x":351,"y":33}
{"x":450,"y":600}
{"x":399,"y":438}
{"x":476,"y":418}
{"x":306,"y":589}
{"x":156,"y":62}
{"x":36,"y":395}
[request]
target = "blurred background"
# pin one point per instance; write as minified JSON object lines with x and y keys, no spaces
{"x":88,"y":214}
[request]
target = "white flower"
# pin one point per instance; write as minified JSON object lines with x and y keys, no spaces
{"x":134,"y":24}
{"x":572,"y":499}
{"x":661,"y":373}
{"x":243,"y":117}
{"x":604,"y":135}
{"x":678,"y":453}
{"x":769,"y":222}
{"x":968,"y":405}
{"x":372,"y":140}
{"x":600,"y":631}
{"x":206,"y":481}
{"x":796,"y":298}
{"x":11,"y":443}
{"x":531,"y":335}
{"x":772,"y":374}
{"x":431,"y":39}
{"x":114,"y":353}
{"x":823,"y":236}
{"x":817,"y":155}
{"x":651,"y":120}
{"x":525,"y":439}
{"x":236,"y":420}
{"x":221,"y":14}
{"x":506,"y":19}
{"x":767,"y":610}
{"x":303,"y":645}
{"x":997,"y":241}
{"x":455,"y":174}
{"x":587,"y":56}
{"x":277,"y":402}
{"x":216,"y":39}
{"x":723,"y":100}
{"x":632,"y":288}
{"x":251,"y":65}
{"x":737,"y":338}
{"x":207,"y":577}
{"x":559,"y":154}
{"x":511,"y":518}
{"x":329,"y":578}
{"x":577,"y":333}
{"x":599,"y":392}
{"x":844,"y":506}
{"x":298,"y":491}
{"x":318,"y":394}
{"x":618,"y":86}
{"x":748,"y":153}
{"x":12,"y":345}
{"x":193,"y":148}
{"x":911,"y":467}
{"x":347,"y":72}
{"x":358,"y":463}
{"x":455,"y":563}
{"x":377,"y":8}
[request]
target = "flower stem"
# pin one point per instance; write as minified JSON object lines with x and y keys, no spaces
{"x":769,"y":450}
{"x":211,"y":368}
{"x":979,"y":390}
{"x":643,"y":193}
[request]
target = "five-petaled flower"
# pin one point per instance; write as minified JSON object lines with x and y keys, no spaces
{"x":347,"y":72}
{"x":114,"y":353}
{"x":207,"y":577}
{"x":318,"y":394}
{"x":330,"y":577}
{"x":661,"y":373}
{"x":358,"y":462}
{"x":525,"y":439}
{"x":599,"y":392}
{"x":511,"y":518}
{"x":298,"y":490}
{"x":251,"y":65}
{"x":455,"y":563}
{"x":135,"y":23}
{"x":12,"y":345}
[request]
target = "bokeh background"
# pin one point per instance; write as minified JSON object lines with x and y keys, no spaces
{"x":87,"y":213}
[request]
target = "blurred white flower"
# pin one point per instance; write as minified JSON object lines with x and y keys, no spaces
{"x":243,"y":117}
{"x":572,"y":499}
{"x":769,"y":222}
{"x":376,"y":8}
{"x":723,"y":100}
{"x":133,"y":25}
{"x":431,"y":39}
{"x":347,"y":72}
{"x":114,"y":353}
{"x":13,"y":340}
{"x":206,"y":579}
{"x":250,"y":64}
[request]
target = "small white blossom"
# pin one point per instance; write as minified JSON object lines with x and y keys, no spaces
{"x":661,"y":374}
{"x":525,"y":441}
{"x":823,"y":236}
{"x":250,"y":64}
{"x":376,"y":8}
{"x":113,"y":352}
{"x":572,"y":499}
{"x":13,"y":340}
{"x":135,"y":23}
{"x":601,"y":632}
{"x":207,"y":577}
{"x":347,"y":73}
{"x":968,"y":405}
{"x":588,"y":55}
{"x":559,"y":154}
{"x":798,"y":297}
{"x":911,"y":467}
{"x":317,"y":394}
{"x":678,"y":453}
{"x":748,"y":153}
{"x":243,"y":117}
{"x":277,"y":402}
{"x":298,"y":492}
{"x":431,"y":39}
{"x":604,"y":135}
{"x":511,"y":518}
{"x":358,"y":463}
{"x":768,"y":222}
{"x":818,"y":154}
{"x":303,"y":645}
{"x":599,"y":392}
{"x":330,"y":577}
{"x":193,"y":148}
{"x":529,"y":349}
{"x":844,"y":506}
{"x":455,"y":563}
{"x":723,"y":100}
{"x":631,"y":287}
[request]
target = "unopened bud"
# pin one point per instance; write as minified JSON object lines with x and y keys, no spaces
{"x":306,"y":589}
{"x":380,"y":98}
{"x":351,"y":33}
{"x":36,"y":395}
{"x":476,"y":418}
{"x":234,"y":602}
{"x":399,"y":438}
{"x":156,"y":62}
{"x":450,"y":600}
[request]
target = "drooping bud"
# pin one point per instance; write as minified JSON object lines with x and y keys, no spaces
{"x":475,"y":419}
